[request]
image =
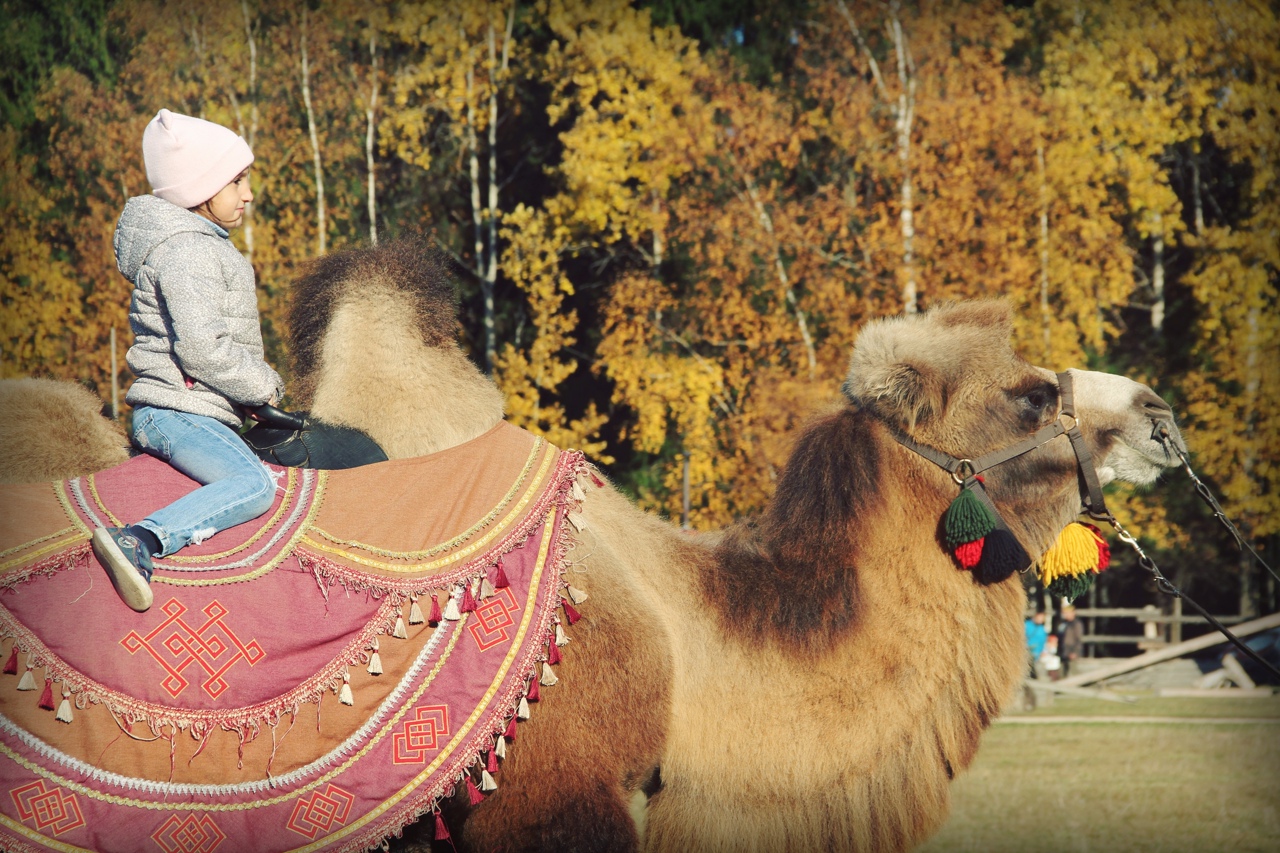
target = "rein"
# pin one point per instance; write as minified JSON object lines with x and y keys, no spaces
{"x":965,"y":471}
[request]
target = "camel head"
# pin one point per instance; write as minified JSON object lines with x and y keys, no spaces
{"x":373,"y":345}
{"x":949,"y":380}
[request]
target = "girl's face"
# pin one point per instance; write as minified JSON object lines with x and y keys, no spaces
{"x":227,"y":207}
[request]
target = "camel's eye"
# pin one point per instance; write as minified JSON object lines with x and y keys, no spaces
{"x":1036,"y":403}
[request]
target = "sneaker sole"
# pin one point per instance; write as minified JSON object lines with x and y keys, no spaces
{"x":129,"y":583}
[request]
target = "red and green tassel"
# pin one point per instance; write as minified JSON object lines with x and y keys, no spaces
{"x":966,"y":525}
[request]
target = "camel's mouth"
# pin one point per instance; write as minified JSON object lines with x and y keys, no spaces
{"x":1141,"y":453}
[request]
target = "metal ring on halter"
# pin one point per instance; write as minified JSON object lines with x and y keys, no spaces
{"x":1069,"y":422}
{"x":961,"y":466}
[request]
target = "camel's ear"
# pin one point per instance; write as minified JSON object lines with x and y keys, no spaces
{"x":904,"y":394}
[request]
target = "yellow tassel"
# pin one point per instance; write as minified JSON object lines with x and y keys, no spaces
{"x":64,"y":710}
{"x":344,"y":696}
{"x":415,"y":613}
{"x":375,"y":660}
{"x":1075,"y":553}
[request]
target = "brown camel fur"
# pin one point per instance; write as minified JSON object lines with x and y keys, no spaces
{"x":808,"y":680}
{"x":51,"y":430}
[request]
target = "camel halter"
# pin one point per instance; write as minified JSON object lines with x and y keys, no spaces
{"x":998,"y":553}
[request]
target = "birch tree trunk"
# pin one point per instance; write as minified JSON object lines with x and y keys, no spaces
{"x":904,"y":106}
{"x":370,"y":140}
{"x":1046,"y":315}
{"x":321,"y":242}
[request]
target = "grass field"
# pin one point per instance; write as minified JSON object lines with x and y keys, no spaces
{"x":1087,"y":776}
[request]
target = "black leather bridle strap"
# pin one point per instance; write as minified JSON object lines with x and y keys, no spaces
{"x":1067,"y":424}
{"x":1091,"y":487}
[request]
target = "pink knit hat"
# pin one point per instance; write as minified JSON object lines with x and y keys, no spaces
{"x":189,"y":160}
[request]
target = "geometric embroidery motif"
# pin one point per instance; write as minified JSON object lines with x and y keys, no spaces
{"x":321,"y":811}
{"x":189,"y":834}
{"x":212,"y":647}
{"x":421,"y":735}
{"x":51,"y":808}
{"x":493,"y":618}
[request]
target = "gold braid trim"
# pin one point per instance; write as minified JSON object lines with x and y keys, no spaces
{"x":282,"y":555}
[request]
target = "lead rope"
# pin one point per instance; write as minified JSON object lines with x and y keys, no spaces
{"x":1166,"y":586}
{"x":1207,"y":496}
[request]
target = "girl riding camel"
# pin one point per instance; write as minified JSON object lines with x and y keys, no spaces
{"x":197,"y":354}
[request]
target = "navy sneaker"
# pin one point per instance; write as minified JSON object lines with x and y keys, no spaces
{"x":128,"y":562}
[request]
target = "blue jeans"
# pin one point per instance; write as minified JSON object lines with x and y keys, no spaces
{"x":236,"y":485}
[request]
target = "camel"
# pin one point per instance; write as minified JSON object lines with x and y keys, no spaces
{"x":807,"y":680}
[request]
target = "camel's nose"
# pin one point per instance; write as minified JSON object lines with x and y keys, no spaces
{"x":1152,"y":406}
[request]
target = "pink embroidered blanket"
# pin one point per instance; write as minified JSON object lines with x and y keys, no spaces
{"x":313,"y":680}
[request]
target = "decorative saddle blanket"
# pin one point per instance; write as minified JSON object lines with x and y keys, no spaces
{"x":314,"y":680}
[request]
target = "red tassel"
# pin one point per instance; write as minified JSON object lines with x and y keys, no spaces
{"x":468,"y":600}
{"x":46,"y":698}
{"x":570,"y":615}
{"x":599,"y":483}
{"x":473,"y":793}
{"x":434,"y":619}
{"x":553,"y":653}
{"x":442,"y":831}
{"x":510,"y":733}
{"x":492,"y":764}
{"x":11,"y":668}
{"x":535,"y":692}
{"x":1104,"y":550}
{"x":500,"y":577}
{"x":969,"y":553}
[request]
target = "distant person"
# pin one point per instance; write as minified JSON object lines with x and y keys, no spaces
{"x":1049,"y":658}
{"x":1070,"y":639}
{"x":197,"y":351}
{"x":1036,"y":637}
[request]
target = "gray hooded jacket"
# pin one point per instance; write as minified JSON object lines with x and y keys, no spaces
{"x":194,"y":314}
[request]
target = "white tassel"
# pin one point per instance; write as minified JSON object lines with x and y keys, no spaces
{"x":576,"y":595}
{"x":522,"y":711}
{"x":500,"y":748}
{"x":562,"y":639}
{"x":486,"y":782}
{"x":579,"y":523}
{"x":415,"y":613}
{"x":344,"y":695}
{"x":577,"y":492}
{"x":486,"y":588}
{"x":375,"y":660}
{"x":549,"y":678}
{"x":400,"y":633}
{"x":451,"y":611}
{"x":64,"y":709}
{"x":28,"y":681}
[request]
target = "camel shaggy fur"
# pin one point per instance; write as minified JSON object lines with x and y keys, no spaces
{"x":808,"y":680}
{"x":54,"y":430}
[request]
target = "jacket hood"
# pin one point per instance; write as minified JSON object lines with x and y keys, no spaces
{"x":146,"y":222}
